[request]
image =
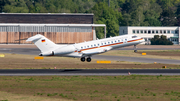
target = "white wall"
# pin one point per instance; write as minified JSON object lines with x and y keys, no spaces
{"x":134,"y":30}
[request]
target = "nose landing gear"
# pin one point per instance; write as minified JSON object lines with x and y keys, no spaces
{"x":135,"y":48}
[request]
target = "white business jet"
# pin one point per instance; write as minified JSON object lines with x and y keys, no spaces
{"x":83,"y":50}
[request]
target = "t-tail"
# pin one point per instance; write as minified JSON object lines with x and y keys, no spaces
{"x":45,"y":45}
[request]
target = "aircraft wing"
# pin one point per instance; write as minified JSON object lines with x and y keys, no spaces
{"x":93,"y":52}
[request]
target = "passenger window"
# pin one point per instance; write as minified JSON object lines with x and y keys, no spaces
{"x":91,"y":45}
{"x":81,"y":47}
{"x":101,"y":43}
{"x":118,"y":40}
{"x":111,"y":41}
{"x":94,"y":44}
{"x":84,"y":46}
{"x":88,"y":46}
{"x":98,"y":44}
{"x":105,"y":43}
{"x":134,"y":36}
{"x":115,"y":41}
{"x":108,"y":42}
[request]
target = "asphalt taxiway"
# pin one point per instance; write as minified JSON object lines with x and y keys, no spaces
{"x":87,"y":72}
{"x":36,"y":51}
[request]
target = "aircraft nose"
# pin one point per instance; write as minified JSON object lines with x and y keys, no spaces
{"x":142,"y":40}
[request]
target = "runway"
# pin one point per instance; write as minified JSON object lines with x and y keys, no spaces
{"x":35,"y":51}
{"x":87,"y":72}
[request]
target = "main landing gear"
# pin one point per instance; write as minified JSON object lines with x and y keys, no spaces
{"x":88,"y":59}
{"x":83,"y":59}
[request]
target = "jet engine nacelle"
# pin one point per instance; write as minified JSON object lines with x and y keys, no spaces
{"x":50,"y":53}
{"x":64,"y":50}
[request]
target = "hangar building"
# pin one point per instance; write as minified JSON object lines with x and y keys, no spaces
{"x":15,"y":28}
{"x":172,"y":33}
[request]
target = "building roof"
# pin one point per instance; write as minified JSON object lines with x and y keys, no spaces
{"x":149,"y":26}
{"x":79,"y":25}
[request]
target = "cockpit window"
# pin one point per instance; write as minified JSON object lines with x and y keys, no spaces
{"x":134,"y":36}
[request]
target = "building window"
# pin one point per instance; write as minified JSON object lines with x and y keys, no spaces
{"x":149,"y":31}
{"x":145,"y":31}
{"x":174,"y":39}
{"x":137,"y":31}
{"x":176,"y":31}
{"x":172,"y":31}
{"x":168,"y":31}
{"x":133,"y":31}
{"x":141,"y":31}
{"x":153,"y":31}
{"x":156,"y":31}
{"x":164,"y":31}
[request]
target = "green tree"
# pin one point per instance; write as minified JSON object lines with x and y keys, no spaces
{"x":18,"y":6}
{"x":168,"y":18}
{"x":160,"y":41}
{"x":108,"y":16}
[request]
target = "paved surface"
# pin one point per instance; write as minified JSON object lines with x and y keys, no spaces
{"x":69,"y":72}
{"x":136,"y":59}
{"x":32,"y":50}
{"x":36,"y":51}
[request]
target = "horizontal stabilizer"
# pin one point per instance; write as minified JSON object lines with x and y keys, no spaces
{"x":33,"y":38}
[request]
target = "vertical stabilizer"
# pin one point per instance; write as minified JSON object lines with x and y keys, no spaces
{"x":42,"y":43}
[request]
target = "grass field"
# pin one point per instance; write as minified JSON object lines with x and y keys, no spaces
{"x":90,"y":88}
{"x":17,"y":61}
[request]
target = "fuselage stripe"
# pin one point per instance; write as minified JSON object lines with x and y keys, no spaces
{"x":108,"y":45}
